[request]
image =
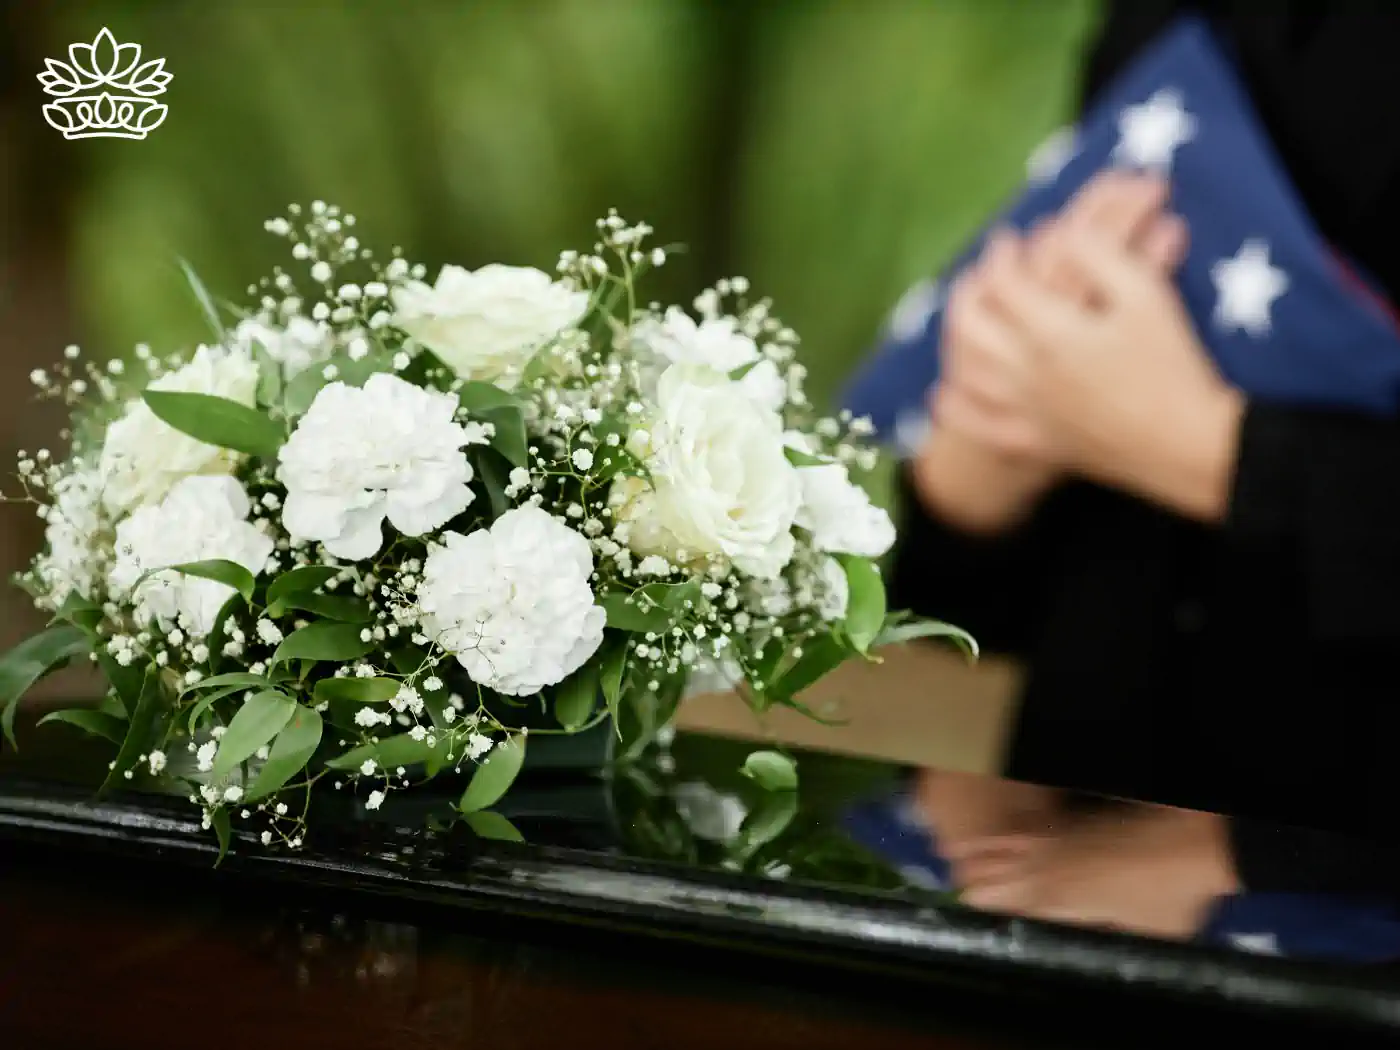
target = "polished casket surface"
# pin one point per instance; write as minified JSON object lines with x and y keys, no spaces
{"x":669,"y":902}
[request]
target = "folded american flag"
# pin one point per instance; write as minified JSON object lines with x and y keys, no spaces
{"x":1285,"y":318}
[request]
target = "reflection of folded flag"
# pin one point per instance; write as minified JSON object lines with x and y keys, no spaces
{"x":1302,"y":926}
{"x":1308,"y":927}
{"x":1285,"y":320}
{"x":891,"y":828}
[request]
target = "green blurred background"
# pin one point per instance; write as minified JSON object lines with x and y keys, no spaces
{"x":832,"y":151}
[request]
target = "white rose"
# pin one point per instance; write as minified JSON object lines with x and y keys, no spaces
{"x":143,"y":457}
{"x":715,"y":342}
{"x":359,"y":455}
{"x":487,"y":324}
{"x":720,"y":484}
{"x":839,"y":515}
{"x":202,"y":519}
{"x":513,"y":603}
{"x":765,"y":386}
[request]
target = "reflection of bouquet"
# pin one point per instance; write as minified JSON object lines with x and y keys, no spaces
{"x":377,"y":514}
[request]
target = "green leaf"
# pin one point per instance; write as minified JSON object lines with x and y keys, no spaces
{"x":218,"y":638}
{"x":29,"y":661}
{"x":90,"y":721}
{"x":210,"y":698}
{"x":305,"y":580}
{"x":610,"y":671}
{"x":206,"y":302}
{"x":479,"y":397}
{"x":329,"y":606}
{"x":127,"y":682}
{"x":323,"y":641}
{"x":235,"y":678}
{"x":494,"y":775}
{"x":898,"y":633}
{"x":218,"y":421}
{"x":509,"y":439}
{"x":768,"y":820}
{"x":79,"y":612}
{"x":494,"y":476}
{"x":262,"y":717}
{"x":575,"y":697}
{"x":803,"y":459}
{"x":291,"y":750}
{"x":225,"y":572}
{"x":223,"y":831}
{"x":771,"y":770}
{"x":489,"y":824}
{"x":392,"y":752}
{"x":269,"y":376}
{"x":820,"y":656}
{"x":301,"y":391}
{"x":143,"y":729}
{"x":357,"y":690}
{"x":654,"y":608}
{"x":865,"y":609}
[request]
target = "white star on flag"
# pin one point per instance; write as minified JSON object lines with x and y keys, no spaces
{"x":1246,"y":287}
{"x":914,"y":309}
{"x":1151,"y":132}
{"x":1049,"y":158}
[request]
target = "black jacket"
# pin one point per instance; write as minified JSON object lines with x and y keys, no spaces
{"x":1254,"y":668}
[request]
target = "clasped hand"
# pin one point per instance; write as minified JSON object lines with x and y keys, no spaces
{"x":1068,"y":351}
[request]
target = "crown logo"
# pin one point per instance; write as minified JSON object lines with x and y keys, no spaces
{"x":105,"y":91}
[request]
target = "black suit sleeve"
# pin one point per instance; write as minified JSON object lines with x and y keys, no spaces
{"x":1326,"y":487}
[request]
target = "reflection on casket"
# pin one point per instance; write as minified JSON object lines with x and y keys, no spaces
{"x":845,"y":876}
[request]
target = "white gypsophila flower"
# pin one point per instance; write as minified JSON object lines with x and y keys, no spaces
{"x":834,"y":590}
{"x":359,"y":455}
{"x":720,"y":481}
{"x":296,"y":347}
{"x":486,"y":324}
{"x":839,"y":515}
{"x":71,"y":562}
{"x":513,"y":603}
{"x":143,"y":457}
{"x":202,"y":519}
{"x":715,"y":342}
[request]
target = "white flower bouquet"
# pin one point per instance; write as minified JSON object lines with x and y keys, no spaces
{"x":378,"y":523}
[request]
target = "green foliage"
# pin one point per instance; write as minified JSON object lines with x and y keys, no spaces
{"x":218,"y":421}
{"x":323,"y":641}
{"x":771,"y":770}
{"x":291,"y":751}
{"x":29,"y":661}
{"x":494,"y":775}
{"x":262,"y":716}
{"x":865,"y":608}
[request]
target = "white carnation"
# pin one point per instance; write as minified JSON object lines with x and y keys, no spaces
{"x":144,"y":457}
{"x":720,"y":481}
{"x":298,"y":346}
{"x":72,"y":562}
{"x":512,"y":603}
{"x":715,"y":342}
{"x":202,"y":519}
{"x":359,"y":455}
{"x":839,"y":515}
{"x":487,"y":324}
